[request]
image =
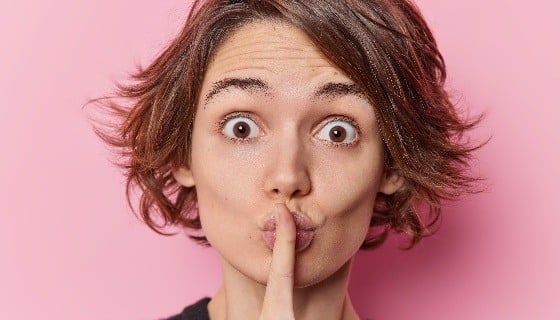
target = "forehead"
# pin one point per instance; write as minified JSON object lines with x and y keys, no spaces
{"x":271,"y":48}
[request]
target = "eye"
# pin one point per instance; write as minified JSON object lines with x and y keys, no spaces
{"x":339,"y":131}
{"x":240,"y":127}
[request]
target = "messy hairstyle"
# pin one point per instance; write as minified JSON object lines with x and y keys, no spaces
{"x":384,"y":46}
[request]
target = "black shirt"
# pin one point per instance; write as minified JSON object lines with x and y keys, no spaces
{"x":197,"y":311}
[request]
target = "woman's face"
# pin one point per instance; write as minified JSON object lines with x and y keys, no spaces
{"x":278,"y":123}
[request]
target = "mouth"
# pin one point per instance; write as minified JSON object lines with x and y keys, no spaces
{"x":304,"y":232}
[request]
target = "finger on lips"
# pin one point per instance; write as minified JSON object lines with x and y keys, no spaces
{"x":278,"y":300}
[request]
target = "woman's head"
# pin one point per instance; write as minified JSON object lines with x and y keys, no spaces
{"x":276,"y":122}
{"x":382,"y":52}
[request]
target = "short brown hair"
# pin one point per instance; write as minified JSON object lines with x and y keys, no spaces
{"x":384,"y":46}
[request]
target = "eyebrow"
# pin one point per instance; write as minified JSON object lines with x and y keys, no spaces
{"x":247,"y":84}
{"x":329,"y":90}
{"x":337,"y":89}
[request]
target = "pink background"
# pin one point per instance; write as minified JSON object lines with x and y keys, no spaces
{"x":70,"y":249}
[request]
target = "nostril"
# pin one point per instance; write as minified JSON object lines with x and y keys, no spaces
{"x":278,"y":192}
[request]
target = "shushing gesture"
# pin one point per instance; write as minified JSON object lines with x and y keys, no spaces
{"x":278,"y":298}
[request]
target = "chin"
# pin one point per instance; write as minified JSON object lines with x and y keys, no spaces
{"x":308,"y":272}
{"x":311,"y":267}
{"x":312,"y":271}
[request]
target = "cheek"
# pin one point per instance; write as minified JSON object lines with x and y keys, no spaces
{"x":345,"y":194}
{"x":220,"y":169}
{"x":350,"y":184}
{"x":350,"y":223}
{"x":225,"y":186}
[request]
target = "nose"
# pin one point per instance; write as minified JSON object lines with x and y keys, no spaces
{"x":288,"y":174}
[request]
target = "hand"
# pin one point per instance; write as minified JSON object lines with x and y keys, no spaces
{"x":278,"y":297}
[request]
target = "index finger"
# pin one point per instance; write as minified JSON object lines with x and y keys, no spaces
{"x":278,"y":298}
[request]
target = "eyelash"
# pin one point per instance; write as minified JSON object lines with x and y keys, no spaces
{"x":222,"y":123}
{"x":343,"y":144}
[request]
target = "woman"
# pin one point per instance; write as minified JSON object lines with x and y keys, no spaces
{"x":288,"y":135}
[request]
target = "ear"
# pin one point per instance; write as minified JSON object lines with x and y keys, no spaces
{"x":391,"y":182}
{"x":184,"y":176}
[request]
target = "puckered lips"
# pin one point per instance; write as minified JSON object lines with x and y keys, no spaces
{"x":305,"y":231}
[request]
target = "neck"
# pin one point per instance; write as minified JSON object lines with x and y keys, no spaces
{"x":240,"y":297}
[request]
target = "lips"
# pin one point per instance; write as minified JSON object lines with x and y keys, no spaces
{"x":304,"y":232}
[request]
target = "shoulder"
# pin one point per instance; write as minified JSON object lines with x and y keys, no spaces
{"x":196,"y":311}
